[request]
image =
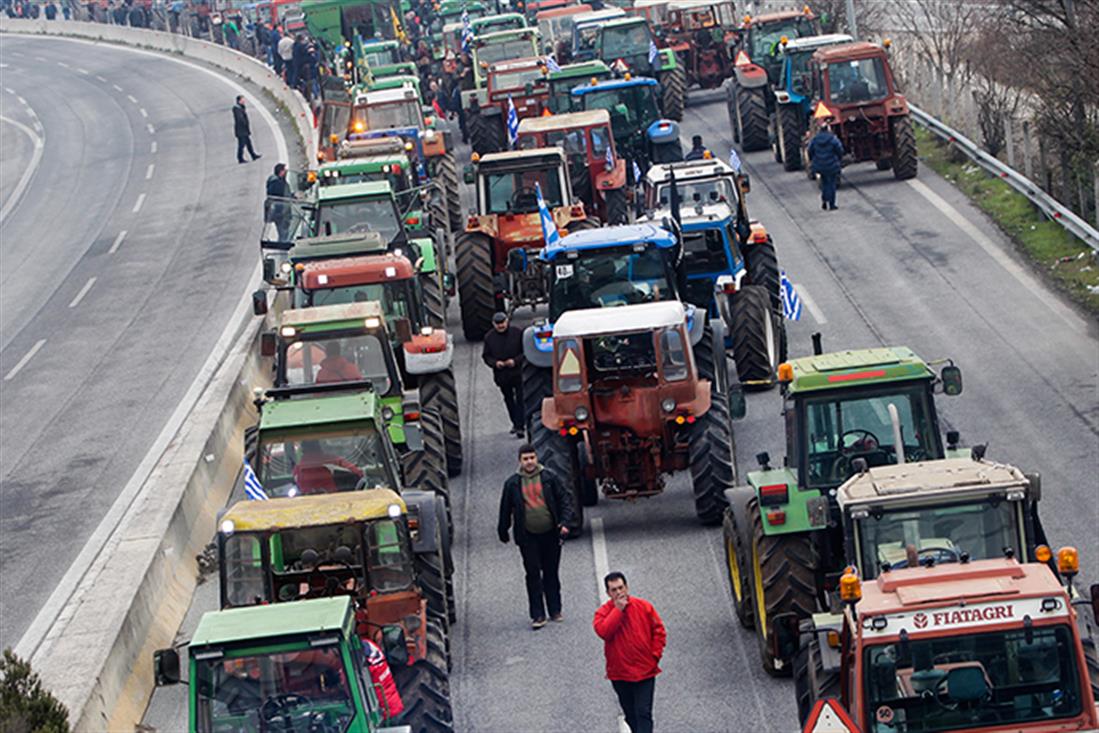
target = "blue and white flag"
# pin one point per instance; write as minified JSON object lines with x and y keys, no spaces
{"x":734,"y":161}
{"x":549,"y":228}
{"x":513,"y":122}
{"x":467,"y":31}
{"x":636,"y":172}
{"x":791,"y":303}
{"x":551,"y":64}
{"x":609,"y":159}
{"x":253,"y":489}
{"x":653,"y":52}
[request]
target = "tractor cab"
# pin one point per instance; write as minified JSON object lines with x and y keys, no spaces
{"x":555,"y":27}
{"x":701,"y":33}
{"x":562,"y":82}
{"x":707,"y":182}
{"x":359,"y":207}
{"x":761,"y":38}
{"x":501,"y":22}
{"x":492,"y":48}
{"x":380,"y":59}
{"x":388,"y":109}
{"x":851,"y":75}
{"x":520,"y":81}
{"x":634,"y":107}
{"x":796,"y":78}
{"x":585,"y":33}
{"x":625,"y":44}
{"x":389,"y":279}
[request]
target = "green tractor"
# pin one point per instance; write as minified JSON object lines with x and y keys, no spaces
{"x":381,"y":59}
{"x":627,"y":44}
{"x":335,"y":22}
{"x":844,"y":413}
{"x":489,"y":49}
{"x":561,"y":82}
{"x":291,"y":667}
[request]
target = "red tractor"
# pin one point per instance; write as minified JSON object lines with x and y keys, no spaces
{"x":701,"y":34}
{"x":854,"y":91}
{"x":597,"y":172}
{"x":521,"y":83}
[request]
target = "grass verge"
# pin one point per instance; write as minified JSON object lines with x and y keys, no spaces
{"x":1070,"y":265}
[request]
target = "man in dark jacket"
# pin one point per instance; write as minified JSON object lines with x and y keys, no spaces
{"x":243,"y":130}
{"x":826,"y":153}
{"x":503,"y":352}
{"x":698,"y":150}
{"x":537,"y":507}
{"x":276,"y":208}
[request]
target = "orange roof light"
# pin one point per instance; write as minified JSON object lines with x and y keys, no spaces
{"x":805,"y":9}
{"x":785,"y":372}
{"x":475,"y":157}
{"x":784,"y":40}
{"x":887,"y":42}
{"x":850,"y":586}
{"x":1068,"y":561}
{"x":358,"y":126}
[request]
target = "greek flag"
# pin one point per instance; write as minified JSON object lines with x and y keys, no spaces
{"x":791,"y":303}
{"x":253,"y":489}
{"x":734,"y":161}
{"x":513,"y":122}
{"x":610,"y":159}
{"x":551,"y":64}
{"x":549,"y":229}
{"x":653,"y":52}
{"x":636,"y":172}
{"x":467,"y":31}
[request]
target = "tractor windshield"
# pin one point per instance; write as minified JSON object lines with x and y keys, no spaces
{"x":766,"y":40}
{"x":517,"y":80}
{"x":359,"y":215}
{"x":399,"y":114}
{"x":514,"y":191}
{"x":800,"y":77}
{"x":844,"y":426}
{"x":632,"y":352}
{"x":304,"y":689}
{"x":600,"y":279}
{"x":857,"y":81}
{"x":631,"y":108}
{"x":322,"y":463}
{"x":624,"y":40}
{"x":705,"y":192}
{"x":971,"y":680}
{"x":381,"y":57}
{"x":980,"y":529}
{"x":310,"y":562}
{"x":516,"y":48}
{"x":396,"y":297}
{"x":324,"y":359}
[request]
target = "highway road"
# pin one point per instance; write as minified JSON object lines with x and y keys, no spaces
{"x":899,"y":263}
{"x":127,"y":239}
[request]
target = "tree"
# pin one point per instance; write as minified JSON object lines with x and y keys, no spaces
{"x":26,"y":706}
{"x":869,"y":16}
{"x":996,"y":67}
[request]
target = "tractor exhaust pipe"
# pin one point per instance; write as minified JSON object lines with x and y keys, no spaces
{"x":818,"y":349}
{"x":898,"y":439}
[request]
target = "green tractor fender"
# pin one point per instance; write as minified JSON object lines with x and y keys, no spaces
{"x":784,"y":507}
{"x":427,"y":261}
{"x":400,"y":432}
{"x":667,"y":60}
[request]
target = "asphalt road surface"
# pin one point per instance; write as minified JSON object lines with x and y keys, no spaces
{"x":132,"y":241}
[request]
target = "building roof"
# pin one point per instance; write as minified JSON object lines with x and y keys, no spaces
{"x":926,"y":480}
{"x":359,"y":270}
{"x":331,"y":313}
{"x":621,"y":319}
{"x":313,"y":510}
{"x":567,"y":121}
{"x":342,"y":191}
{"x":856,"y":367}
{"x":322,"y":409}
{"x":609,"y":84}
{"x":278,"y":619}
{"x":809,"y":42}
{"x":611,"y":236}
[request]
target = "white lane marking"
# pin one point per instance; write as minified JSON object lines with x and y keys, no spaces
{"x":3,"y":66}
{"x":151,"y":129}
{"x":811,"y":304}
{"x":83,"y":71}
{"x":143,"y":112}
{"x":140,"y":201}
{"x":83,"y":291}
{"x":21,"y":101}
{"x":23,"y":362}
{"x":599,"y":553}
{"x":9,"y":90}
{"x":116,"y":87}
{"x":992,"y":250}
{"x":149,"y":171}
{"x":101,"y":78}
{"x":132,"y":98}
{"x":39,"y":141}
{"x":117,"y":242}
{"x":40,"y":58}
{"x":152,"y":148}
{"x":51,"y":610}
{"x":62,"y":64}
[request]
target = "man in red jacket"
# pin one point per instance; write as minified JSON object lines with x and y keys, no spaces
{"x":633,"y":641}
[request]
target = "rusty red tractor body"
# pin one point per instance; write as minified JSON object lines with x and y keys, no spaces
{"x":519,"y":83}
{"x":701,"y":34}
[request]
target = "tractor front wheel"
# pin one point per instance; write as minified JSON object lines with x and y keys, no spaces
{"x":558,"y":454}
{"x":425,"y":690}
{"x":789,"y":136}
{"x":751,"y":112}
{"x":904,"y":149}
{"x":476,"y":295}
{"x":616,"y":206}
{"x":486,"y":134}
{"x":674,"y":93}
{"x":711,"y":461}
{"x":439,"y":392}
{"x":437,"y":208}
{"x":735,"y":566}
{"x":756,"y":339}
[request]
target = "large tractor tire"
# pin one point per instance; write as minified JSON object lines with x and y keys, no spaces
{"x":904,"y":149}
{"x":711,"y":362}
{"x":537,"y":386}
{"x":439,"y":392}
{"x":426,"y":469}
{"x":735,"y":565}
{"x":712,"y":462}
{"x":438,"y":644}
{"x":437,"y":208}
{"x":486,"y":134}
{"x":674,"y":93}
{"x":476,"y":296}
{"x":784,"y":570}
{"x":757,"y":343}
{"x":425,"y":690}
{"x":434,"y":299}
{"x":431,"y":578}
{"x":788,"y":136}
{"x":730,"y":88}
{"x":762,"y":264}
{"x":812,"y":681}
{"x":251,"y":443}
{"x":447,"y":170}
{"x":558,"y":454}
{"x":617,"y":207}
{"x":751,"y":118}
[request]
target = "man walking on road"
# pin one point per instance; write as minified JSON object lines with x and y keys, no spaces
{"x":826,"y":153}
{"x":633,"y":641}
{"x":503,"y":352}
{"x":243,"y":130}
{"x":537,"y":507}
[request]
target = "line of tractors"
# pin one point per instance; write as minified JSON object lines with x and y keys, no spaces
{"x":880,"y":564}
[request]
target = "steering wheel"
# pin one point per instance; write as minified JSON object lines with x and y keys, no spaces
{"x":863,"y":436}
{"x":940,"y":691}
{"x":940,"y":555}
{"x":526,"y":196}
{"x":278,"y":706}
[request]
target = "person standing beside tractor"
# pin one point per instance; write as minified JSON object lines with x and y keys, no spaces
{"x":698,"y":150}
{"x":536,"y":507}
{"x":826,"y":154}
{"x":503,"y":352}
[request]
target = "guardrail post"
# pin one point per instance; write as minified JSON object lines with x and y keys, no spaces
{"x":1095,"y":183}
{"x":1028,"y":167}
{"x":1009,"y":140}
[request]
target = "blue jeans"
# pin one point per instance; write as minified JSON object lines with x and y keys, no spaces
{"x":828,"y":187}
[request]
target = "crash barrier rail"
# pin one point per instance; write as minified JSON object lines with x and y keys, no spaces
{"x":1050,"y":206}
{"x":96,"y":655}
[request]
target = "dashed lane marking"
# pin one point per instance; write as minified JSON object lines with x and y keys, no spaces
{"x":149,"y":171}
{"x":117,"y":242}
{"x":62,"y":64}
{"x":140,"y":201}
{"x":39,"y":141}
{"x":151,"y":129}
{"x":9,"y":90}
{"x":83,"y":291}
{"x":101,"y":78}
{"x":143,"y":112}
{"x":152,"y":148}
{"x":21,"y":100}
{"x":811,"y":304}
{"x":116,"y":87}
{"x":23,"y":362}
{"x":85,"y":72}
{"x":131,"y":98}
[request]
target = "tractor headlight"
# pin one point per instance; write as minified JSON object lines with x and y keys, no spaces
{"x":287,"y":332}
{"x":427,"y":331}
{"x":227,"y":527}
{"x":581,"y":414}
{"x":285,"y":267}
{"x":394,"y":511}
{"x":668,"y":405}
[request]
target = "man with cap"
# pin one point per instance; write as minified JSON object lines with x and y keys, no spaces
{"x":503,"y":352}
{"x":698,"y":150}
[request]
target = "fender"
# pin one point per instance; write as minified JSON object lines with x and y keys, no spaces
{"x":538,"y":346}
{"x":426,"y":262}
{"x":750,"y":76}
{"x":737,"y":498}
{"x":609,"y":180}
{"x":433,"y":142}
{"x":421,"y":505}
{"x":801,"y":509}
{"x":696,"y":323}
{"x":897,"y":106}
{"x":718,"y":327}
{"x":428,"y":353}
{"x":759,"y":233}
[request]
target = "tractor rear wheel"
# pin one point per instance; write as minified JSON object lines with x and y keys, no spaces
{"x":476,"y":296}
{"x":762,"y":264}
{"x":812,"y":681}
{"x":784,"y":581}
{"x":711,"y":461}
{"x":730,"y":107}
{"x":789,"y":136}
{"x":438,"y":644}
{"x":616,"y":206}
{"x":438,"y":392}
{"x":447,"y":170}
{"x":537,"y":386}
{"x":437,"y":210}
{"x":558,"y":454}
{"x":756,"y":340}
{"x":904,"y":149}
{"x":486,"y":134}
{"x":447,"y":552}
{"x":434,"y":300}
{"x":711,"y":362}
{"x":735,"y":565}
{"x":674,"y":93}
{"x":425,"y":691}
{"x":431,"y":578}
{"x":426,"y":469}
{"x":751,"y":114}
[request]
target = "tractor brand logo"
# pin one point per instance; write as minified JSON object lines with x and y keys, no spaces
{"x":920,"y":619}
{"x":963,"y":616}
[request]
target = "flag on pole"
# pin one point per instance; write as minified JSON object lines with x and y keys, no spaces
{"x":734,"y":161}
{"x":653,"y":52}
{"x":610,"y":159}
{"x":551,"y":64}
{"x":549,"y":228}
{"x":636,"y":172}
{"x":513,"y":122}
{"x":253,"y":489}
{"x":467,"y":31}
{"x":791,"y":303}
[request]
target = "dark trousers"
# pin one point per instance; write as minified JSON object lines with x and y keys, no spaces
{"x":828,"y":183}
{"x":541,"y":558}
{"x":242,"y":143}
{"x":636,"y":699}
{"x":513,"y":398}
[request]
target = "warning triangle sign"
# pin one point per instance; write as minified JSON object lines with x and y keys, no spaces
{"x":828,"y":716}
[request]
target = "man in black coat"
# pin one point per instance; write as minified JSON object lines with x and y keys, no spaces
{"x":503,"y":352}
{"x":826,"y":154}
{"x":537,"y":508}
{"x":243,"y":130}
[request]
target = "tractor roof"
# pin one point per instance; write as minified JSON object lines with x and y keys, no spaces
{"x":598,"y":15}
{"x":275,"y":620}
{"x":524,"y":64}
{"x":402,"y":93}
{"x":929,"y":482}
{"x":370,"y":146}
{"x":856,"y":368}
{"x":354,"y":190}
{"x":848,"y":51}
{"x":305,"y":317}
{"x":490,"y":19}
{"x":614,"y":236}
{"x":688,"y":170}
{"x":778,"y":17}
{"x":567,"y":121}
{"x":378,"y":44}
{"x":692,"y":4}
{"x":584,"y":68}
{"x":485,"y":39}
{"x":363,"y":163}
{"x":317,"y":411}
{"x":531,"y":155}
{"x":559,"y":12}
{"x":315,"y":510}
{"x":334,"y":245}
{"x":609,"y":84}
{"x":359,"y":270}
{"x":705,"y":216}
{"x":624,"y":22}
{"x":623,"y":319}
{"x":811,"y":42}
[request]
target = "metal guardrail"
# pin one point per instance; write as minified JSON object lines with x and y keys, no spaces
{"x":1052,"y":208}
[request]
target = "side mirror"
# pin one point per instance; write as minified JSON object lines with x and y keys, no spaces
{"x":268,"y":343}
{"x":395,"y":647}
{"x":952,"y":380}
{"x":738,"y":404}
{"x":467,"y":174}
{"x":528,"y":88}
{"x":403,"y":329}
{"x":166,"y":667}
{"x":269,"y":269}
{"x":1095,"y":602}
{"x":259,"y":303}
{"x":517,"y":260}
{"x":745,"y":182}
